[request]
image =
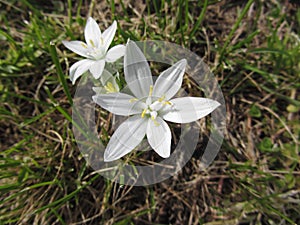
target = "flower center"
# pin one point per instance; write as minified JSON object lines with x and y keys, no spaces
{"x":152,"y":108}
{"x":96,"y":53}
{"x":151,"y":114}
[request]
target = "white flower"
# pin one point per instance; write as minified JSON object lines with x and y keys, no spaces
{"x":149,"y":106}
{"x":95,"y":50}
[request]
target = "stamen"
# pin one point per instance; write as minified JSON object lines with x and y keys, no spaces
{"x":167,"y":103}
{"x":84,"y":45}
{"x":133,"y":100}
{"x":154,"y":121}
{"x":162,"y":98}
{"x":92,"y":43}
{"x":110,"y":88}
{"x":150,"y":90}
{"x":101,"y":41}
{"x":153,"y":115}
{"x":144,"y":112}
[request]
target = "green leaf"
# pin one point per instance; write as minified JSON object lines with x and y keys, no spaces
{"x":255,"y":111}
{"x":266,"y":145}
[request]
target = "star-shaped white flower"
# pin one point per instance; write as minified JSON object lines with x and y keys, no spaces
{"x":149,"y":106}
{"x":95,"y":50}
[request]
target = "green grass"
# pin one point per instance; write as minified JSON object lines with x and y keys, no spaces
{"x":252,"y":47}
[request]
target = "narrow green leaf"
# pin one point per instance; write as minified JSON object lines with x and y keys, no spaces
{"x":234,"y":28}
{"x":60,"y":73}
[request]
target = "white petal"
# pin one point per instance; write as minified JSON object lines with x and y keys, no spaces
{"x":108,"y":35}
{"x":128,"y":135}
{"x":78,"y":68}
{"x":92,"y":33}
{"x":137,"y":72}
{"x":106,"y":77}
{"x":189,"y":109}
{"x":115,"y":53}
{"x":97,"y":68}
{"x":78,"y":47}
{"x":119,"y":103}
{"x":99,"y":90}
{"x":169,"y":82}
{"x":159,"y":137}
